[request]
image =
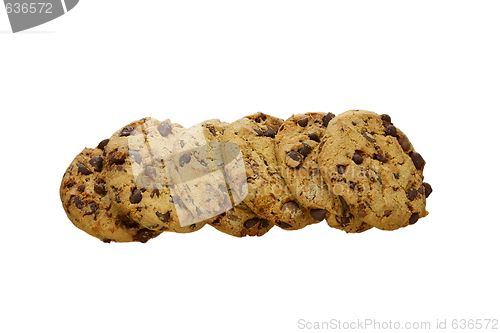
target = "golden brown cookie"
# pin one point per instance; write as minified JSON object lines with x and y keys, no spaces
{"x":297,"y":148}
{"x":268,"y":196}
{"x":241,"y":221}
{"x":87,"y":204}
{"x":197,"y":171}
{"x":136,"y":162}
{"x":225,"y":186}
{"x":374,"y":170}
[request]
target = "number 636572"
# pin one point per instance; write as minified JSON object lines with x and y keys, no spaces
{"x":29,"y":8}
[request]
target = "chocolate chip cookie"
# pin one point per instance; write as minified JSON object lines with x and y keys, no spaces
{"x":87,"y":204}
{"x":268,"y":196}
{"x":374,"y":169}
{"x":356,"y":170}
{"x":297,"y":148}
{"x":214,"y":173}
{"x":241,"y":221}
{"x":197,"y":170}
{"x":137,"y":157}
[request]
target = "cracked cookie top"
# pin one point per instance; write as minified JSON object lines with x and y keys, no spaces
{"x":374,"y":169}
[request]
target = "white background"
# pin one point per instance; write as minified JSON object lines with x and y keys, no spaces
{"x":432,"y":65}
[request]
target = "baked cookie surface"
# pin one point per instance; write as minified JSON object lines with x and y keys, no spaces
{"x":268,"y":195}
{"x":372,"y":166}
{"x":227,"y":186}
{"x":87,"y":203}
{"x":241,"y":221}
{"x":297,"y":149}
{"x":136,"y":163}
{"x":198,"y":169}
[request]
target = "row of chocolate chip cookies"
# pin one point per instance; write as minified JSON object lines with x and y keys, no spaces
{"x":133,"y":186}
{"x":312,"y":166}
{"x":357,"y":170}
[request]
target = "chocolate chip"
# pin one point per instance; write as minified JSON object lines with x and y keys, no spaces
{"x":198,"y":211}
{"x":341,"y":169}
{"x":369,"y":138}
{"x":412,"y":193}
{"x":303,"y":122}
{"x":390,"y":130}
{"x":283,"y":225}
{"x":143,"y":235}
{"x":295,"y":156}
{"x":117,"y":194}
{"x":185,"y":159}
{"x":355,"y":186}
{"x":81,"y":188}
{"x":344,"y":221}
{"x":258,"y":131}
{"x":78,"y":202}
{"x":396,"y":175}
{"x":83,"y":169}
{"x":361,"y":211}
{"x":155,"y":192}
{"x":427,"y":188}
{"x":178,"y":201}
{"x":326,"y":119}
{"x":97,"y":163}
{"x":314,"y":137}
{"x":404,"y":143}
{"x":414,"y":218}
{"x":305,"y":150}
{"x":318,"y":214}
{"x":357,"y":157}
{"x":370,"y":177}
{"x":165,"y":128}
{"x":270,"y":133}
{"x":211,"y":129}
{"x":103,"y":144}
{"x":126,"y":131}
{"x":118,"y":158}
{"x":261,"y":117}
{"x":93,"y":207}
{"x":126,"y":222}
{"x":386,"y":118}
{"x":163,"y":217}
{"x":99,"y":189}
{"x":263,"y":223}
{"x":292,"y":206}
{"x":250,"y":223}
{"x":380,"y":157}
{"x":418,"y":160}
{"x":136,"y":196}
{"x":344,"y":203}
{"x":106,"y":240}
{"x":137,"y":156}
